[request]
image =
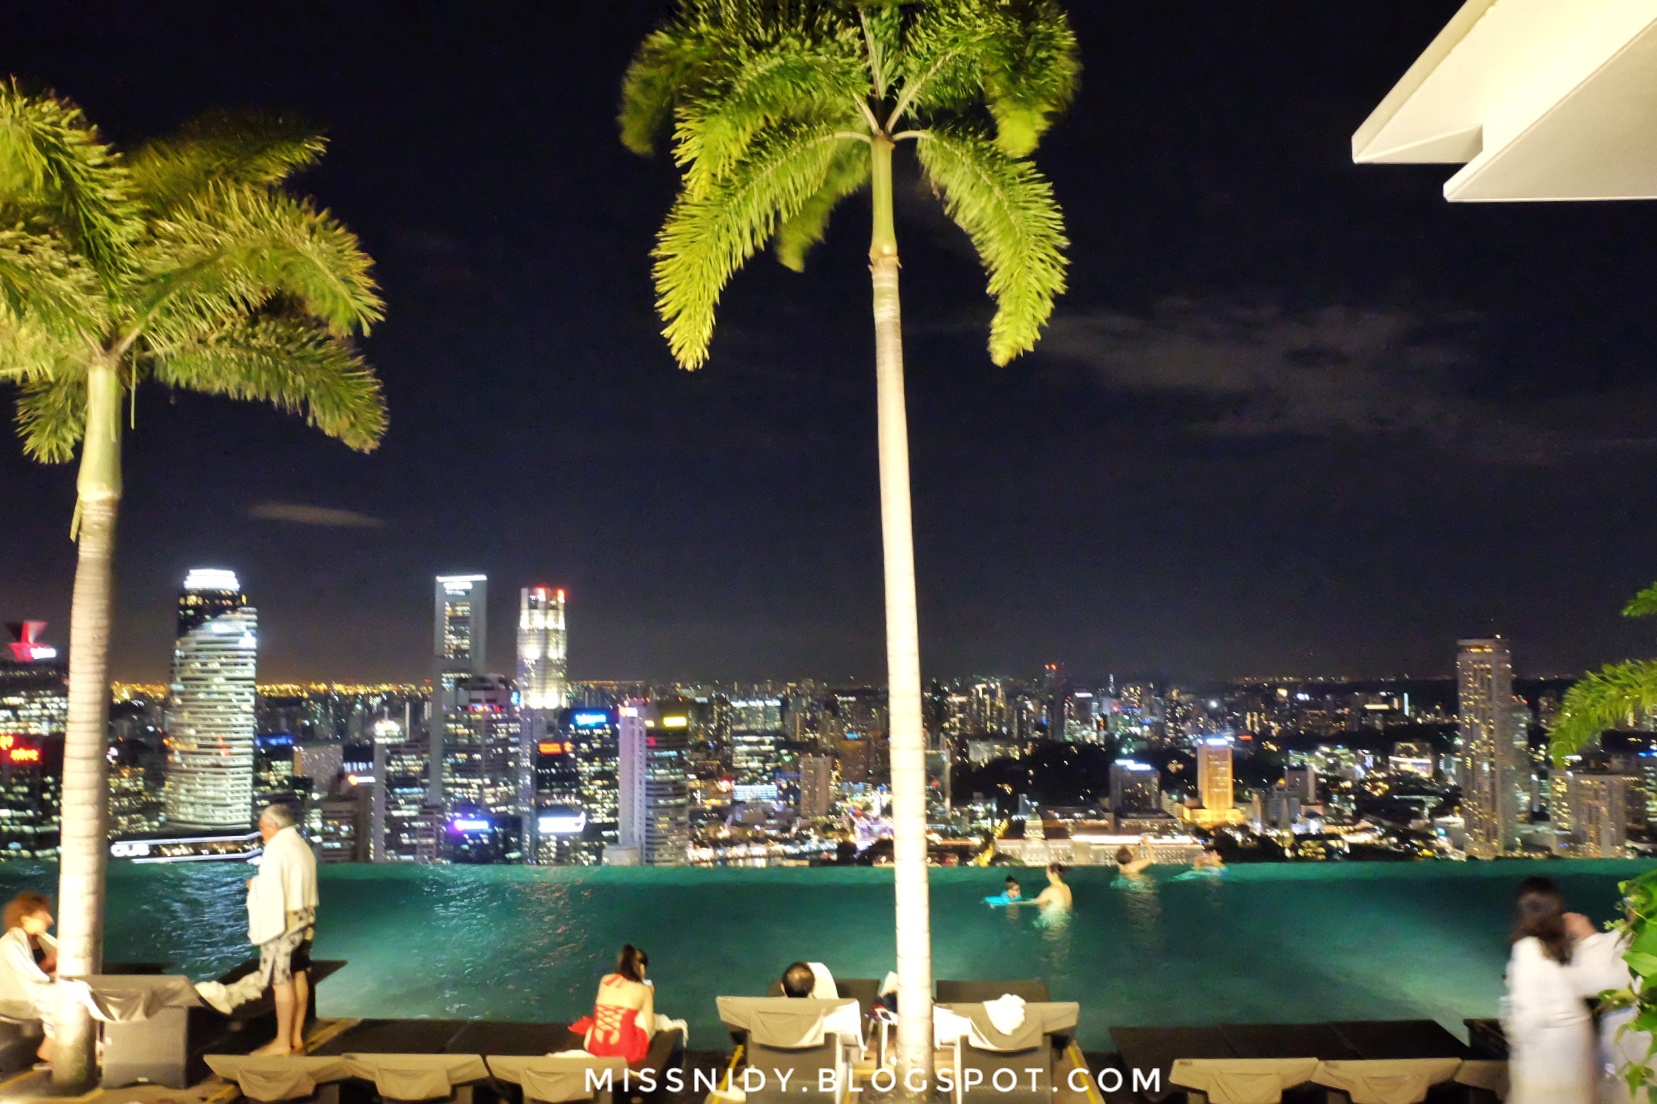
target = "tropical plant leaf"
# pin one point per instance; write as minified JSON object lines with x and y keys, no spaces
{"x":706,"y":240}
{"x":1643,"y":604}
{"x":1007,"y":209}
{"x":1612,"y":697}
{"x":847,"y":174}
{"x":54,"y":164}
{"x":46,"y":287}
{"x":291,"y":364}
{"x":51,"y":415}
{"x":222,"y":148}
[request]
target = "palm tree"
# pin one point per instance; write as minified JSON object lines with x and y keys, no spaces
{"x":185,"y":264}
{"x":780,"y":109}
{"x":1618,"y":695}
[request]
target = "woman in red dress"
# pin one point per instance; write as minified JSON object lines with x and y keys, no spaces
{"x":624,"y":1012}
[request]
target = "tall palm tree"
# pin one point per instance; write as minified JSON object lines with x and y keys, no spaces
{"x":780,"y":109}
{"x":185,"y":264}
{"x":1618,"y":695}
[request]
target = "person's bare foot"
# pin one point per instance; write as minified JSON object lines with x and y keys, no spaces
{"x":276,"y":1048}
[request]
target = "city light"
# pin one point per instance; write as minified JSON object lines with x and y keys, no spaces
{"x":211,"y":578}
{"x":675,"y":721}
{"x":594,"y":720}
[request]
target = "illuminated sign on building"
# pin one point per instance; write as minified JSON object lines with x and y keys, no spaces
{"x":469,"y":824}
{"x":552,"y":747}
{"x":591,"y":720}
{"x":675,"y":721}
{"x":564,"y":823}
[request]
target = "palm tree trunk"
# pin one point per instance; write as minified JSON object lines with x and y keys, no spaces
{"x":903,"y":656}
{"x":85,"y":842}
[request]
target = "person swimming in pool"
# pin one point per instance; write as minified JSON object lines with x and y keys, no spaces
{"x":1057,"y":894}
{"x":1013,"y":891}
{"x":1129,"y":867}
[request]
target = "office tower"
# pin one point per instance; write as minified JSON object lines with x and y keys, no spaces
{"x":1303,"y":783}
{"x":543,"y":655}
{"x":210,"y":722}
{"x":411,"y":827}
{"x":460,"y":637}
{"x":653,"y":819}
{"x":1214,"y":784}
{"x":591,"y":736}
{"x":319,"y":764}
{"x":483,"y":771}
{"x":1080,"y":726}
{"x":816,"y":786}
{"x":755,"y":757}
{"x":1492,"y":757}
{"x":1282,"y":809}
{"x":1599,"y":807}
{"x":1134,"y":787}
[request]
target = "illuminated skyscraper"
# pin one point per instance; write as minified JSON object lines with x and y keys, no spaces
{"x":1492,"y":752}
{"x":653,"y":784}
{"x":816,"y":786}
{"x":1134,"y":788}
{"x":1214,"y":784}
{"x":210,"y":719}
{"x":460,"y":616}
{"x":542,"y":649}
{"x":1599,"y":806}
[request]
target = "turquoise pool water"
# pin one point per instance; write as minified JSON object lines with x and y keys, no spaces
{"x":1256,"y":944}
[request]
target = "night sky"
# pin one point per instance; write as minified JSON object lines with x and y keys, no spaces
{"x":1293,"y":415}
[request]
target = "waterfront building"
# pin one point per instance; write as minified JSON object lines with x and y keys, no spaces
{"x":210,"y":716}
{"x":460,"y":637}
{"x":1134,"y":788}
{"x":653,"y":784}
{"x":1493,"y":759}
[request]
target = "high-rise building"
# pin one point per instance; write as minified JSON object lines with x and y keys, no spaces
{"x":591,"y":737}
{"x":210,"y":718}
{"x":460,"y":638}
{"x":1303,"y":783}
{"x":653,"y":784}
{"x":543,"y":649}
{"x":1599,"y":806}
{"x":1214,"y":784}
{"x":1493,"y":758}
{"x":816,"y":786}
{"x":482,"y":755}
{"x":1134,"y":788}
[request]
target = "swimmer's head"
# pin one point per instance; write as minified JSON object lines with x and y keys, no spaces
{"x":1057,"y":870}
{"x":1123,"y":856}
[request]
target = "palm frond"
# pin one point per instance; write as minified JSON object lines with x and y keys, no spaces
{"x":51,"y":415}
{"x":52,"y":159}
{"x":1643,"y":604}
{"x":705,"y":240}
{"x":656,"y":79}
{"x":45,"y":285}
{"x":1007,"y":209}
{"x":233,"y":249}
{"x":792,"y":81}
{"x":222,"y":148}
{"x":291,"y":364}
{"x":847,"y":174}
{"x":1613,"y":697}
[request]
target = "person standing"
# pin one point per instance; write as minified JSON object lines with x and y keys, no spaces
{"x":1550,"y":1035}
{"x":1597,"y":965}
{"x":281,"y":921}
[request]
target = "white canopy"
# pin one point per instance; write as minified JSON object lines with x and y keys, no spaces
{"x":1540,"y":99}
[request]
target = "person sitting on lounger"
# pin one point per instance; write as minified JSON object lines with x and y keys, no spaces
{"x":624,"y":1012}
{"x":1057,"y":894}
{"x":799,"y":980}
{"x":1128,"y":866}
{"x":28,"y":964}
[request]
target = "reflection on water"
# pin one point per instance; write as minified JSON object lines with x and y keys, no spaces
{"x":1338,"y":941}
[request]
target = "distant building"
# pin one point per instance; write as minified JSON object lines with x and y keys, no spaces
{"x":543,"y":649}
{"x":816,"y":786}
{"x":1135,"y":788}
{"x":344,"y":831}
{"x":1493,"y":759}
{"x":653,"y":784}
{"x":1408,"y":758}
{"x":1303,"y":783}
{"x":593,"y":737}
{"x":1599,"y":808}
{"x":1214,"y":782}
{"x":460,"y":639}
{"x":210,"y":717}
{"x":481,"y":753}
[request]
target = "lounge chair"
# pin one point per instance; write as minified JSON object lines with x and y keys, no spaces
{"x":146,"y":1027}
{"x":273,"y":1080}
{"x":561,"y":1078}
{"x":791,"y":1047}
{"x":1157,"y":1049}
{"x":1242,"y":1080}
{"x":529,"y":1046}
{"x":417,"y":1077}
{"x":20,"y":1036}
{"x":866,"y":992}
{"x":1484,"y":1078}
{"x":1386,"y":1080}
{"x":1005,"y":1067}
{"x":1032,"y":990}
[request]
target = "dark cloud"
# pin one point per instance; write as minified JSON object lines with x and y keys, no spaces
{"x":299,"y":513}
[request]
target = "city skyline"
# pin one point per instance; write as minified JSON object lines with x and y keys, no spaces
{"x":1274,"y":426}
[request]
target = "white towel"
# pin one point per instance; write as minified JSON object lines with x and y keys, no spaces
{"x":890,"y":985}
{"x":822,"y":986}
{"x":1006,"y":1013}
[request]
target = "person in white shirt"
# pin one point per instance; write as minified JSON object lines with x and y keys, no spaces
{"x":1550,"y":1035}
{"x":1597,"y":966}
{"x":28,"y":966}
{"x":281,"y":920}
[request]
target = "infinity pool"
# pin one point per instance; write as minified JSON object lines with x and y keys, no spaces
{"x":1255,"y":944}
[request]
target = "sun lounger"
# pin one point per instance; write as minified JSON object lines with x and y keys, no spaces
{"x":1158,"y":1048}
{"x":977,"y":992}
{"x":418,"y":1077}
{"x":1401,"y":1039}
{"x":1005,"y":1067}
{"x":792,"y":1047}
{"x":561,"y":1078}
{"x":146,"y":1027}
{"x":1386,"y":1080}
{"x":1242,"y":1080}
{"x":1485,"y":1078}
{"x":395,"y":1037}
{"x":273,"y":1080}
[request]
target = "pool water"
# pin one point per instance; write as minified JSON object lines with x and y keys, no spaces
{"x":1260,"y":943}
